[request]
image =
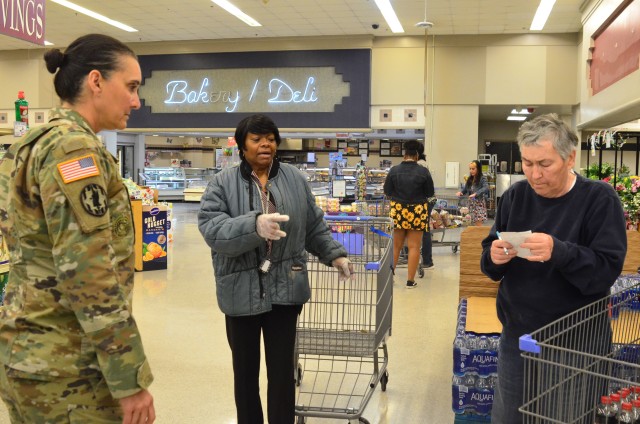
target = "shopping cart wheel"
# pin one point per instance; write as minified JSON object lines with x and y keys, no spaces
{"x":454,"y":248}
{"x":384,"y":379}
{"x":298,"y":375}
{"x":420,"y":272}
{"x":301,"y":420}
{"x":363,"y":420}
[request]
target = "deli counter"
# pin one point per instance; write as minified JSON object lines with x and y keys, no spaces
{"x":175,"y":183}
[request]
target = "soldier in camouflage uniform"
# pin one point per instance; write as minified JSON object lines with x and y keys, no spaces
{"x":70,"y":350}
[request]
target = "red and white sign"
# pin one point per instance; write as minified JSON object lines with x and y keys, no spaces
{"x":23,"y":19}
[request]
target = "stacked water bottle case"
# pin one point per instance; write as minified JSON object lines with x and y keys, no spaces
{"x":475,"y":360}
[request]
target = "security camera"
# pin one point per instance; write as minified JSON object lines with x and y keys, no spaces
{"x":375,"y":26}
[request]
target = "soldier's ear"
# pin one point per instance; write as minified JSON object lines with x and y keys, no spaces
{"x":94,"y":80}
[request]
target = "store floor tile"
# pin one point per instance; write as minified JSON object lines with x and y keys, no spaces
{"x":184,"y":337}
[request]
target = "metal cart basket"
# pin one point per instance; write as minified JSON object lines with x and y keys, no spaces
{"x":447,"y":232}
{"x":572,"y":362}
{"x":341,"y":336}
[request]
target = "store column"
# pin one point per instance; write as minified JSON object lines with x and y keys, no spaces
{"x":110,"y":140}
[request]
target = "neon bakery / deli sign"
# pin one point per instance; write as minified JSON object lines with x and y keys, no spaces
{"x":308,"y":89}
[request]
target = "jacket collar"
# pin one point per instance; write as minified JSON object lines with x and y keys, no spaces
{"x":245,"y":169}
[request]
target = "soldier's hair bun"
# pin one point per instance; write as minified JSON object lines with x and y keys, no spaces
{"x":54,"y":59}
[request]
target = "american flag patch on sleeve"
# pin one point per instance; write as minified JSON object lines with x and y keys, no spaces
{"x":78,"y":168}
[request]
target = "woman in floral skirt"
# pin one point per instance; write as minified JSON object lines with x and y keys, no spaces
{"x":408,"y":185}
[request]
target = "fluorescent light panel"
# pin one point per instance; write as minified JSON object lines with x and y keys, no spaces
{"x":542,"y":14}
{"x":237,"y":13}
{"x":389,"y":15}
{"x":521,"y":112}
{"x":516,"y":118}
{"x":95,"y":15}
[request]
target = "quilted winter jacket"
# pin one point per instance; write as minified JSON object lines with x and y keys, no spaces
{"x":227,"y":221}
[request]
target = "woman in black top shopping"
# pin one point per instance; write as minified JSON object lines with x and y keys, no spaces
{"x":477,"y":188}
{"x":408,"y":185}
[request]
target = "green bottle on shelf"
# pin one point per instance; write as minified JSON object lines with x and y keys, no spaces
{"x":22,"y":109}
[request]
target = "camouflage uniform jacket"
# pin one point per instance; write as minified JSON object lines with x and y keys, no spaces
{"x":68,"y":223}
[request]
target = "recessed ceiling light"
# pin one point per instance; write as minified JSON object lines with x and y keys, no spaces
{"x":389,"y":15}
{"x":226,"y":5}
{"x":542,"y":14}
{"x":95,"y":15}
{"x":516,"y":118}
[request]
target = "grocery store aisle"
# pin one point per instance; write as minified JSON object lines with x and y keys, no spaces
{"x":184,"y":337}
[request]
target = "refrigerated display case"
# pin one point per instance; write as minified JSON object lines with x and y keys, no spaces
{"x":504,"y":181}
{"x":196,"y":180}
{"x":169,"y":181}
{"x":178,"y":183}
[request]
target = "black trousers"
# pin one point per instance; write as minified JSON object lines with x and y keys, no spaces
{"x":427,"y":245}
{"x":279,"y":332}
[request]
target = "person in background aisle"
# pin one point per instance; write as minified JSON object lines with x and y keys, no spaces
{"x":408,"y":185}
{"x":578,"y":246}
{"x":427,"y":242}
{"x":477,"y":188}
{"x":260,"y":219}
{"x":70,"y":350}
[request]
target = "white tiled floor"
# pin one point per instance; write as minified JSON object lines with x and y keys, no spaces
{"x":184,"y":337}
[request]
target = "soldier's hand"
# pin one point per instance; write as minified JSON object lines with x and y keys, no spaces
{"x":138,"y":408}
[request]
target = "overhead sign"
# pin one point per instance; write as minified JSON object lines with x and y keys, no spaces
{"x":23,"y":19}
{"x":303,"y":89}
{"x":298,"y":89}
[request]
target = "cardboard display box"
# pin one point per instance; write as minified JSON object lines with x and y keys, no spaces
{"x":482,"y":317}
{"x":632,"y":260}
{"x":151,"y":239}
{"x":472,"y":281}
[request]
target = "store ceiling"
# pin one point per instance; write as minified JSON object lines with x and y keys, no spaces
{"x":186,"y":20}
{"x":181,"y":20}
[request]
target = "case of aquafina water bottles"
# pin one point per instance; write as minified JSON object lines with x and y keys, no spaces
{"x":475,"y":361}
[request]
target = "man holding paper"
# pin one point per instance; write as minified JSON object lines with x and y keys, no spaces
{"x":572,"y":256}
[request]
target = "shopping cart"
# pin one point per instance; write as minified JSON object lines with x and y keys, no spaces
{"x":447,"y":218}
{"x":572,"y":362}
{"x":341,"y":337}
{"x":377,"y":206}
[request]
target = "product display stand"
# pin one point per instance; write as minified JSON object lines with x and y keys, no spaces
{"x":151,"y":238}
{"x":489,"y":170}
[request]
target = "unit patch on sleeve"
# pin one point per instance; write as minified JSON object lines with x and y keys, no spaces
{"x":121,"y":226}
{"x":94,"y":199}
{"x":78,"y":168}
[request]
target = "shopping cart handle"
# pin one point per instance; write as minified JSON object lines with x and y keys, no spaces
{"x":349,"y":218}
{"x":527,"y":344}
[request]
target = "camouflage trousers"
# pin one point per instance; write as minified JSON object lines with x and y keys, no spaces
{"x":61,"y":400}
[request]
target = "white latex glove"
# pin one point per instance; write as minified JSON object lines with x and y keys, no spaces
{"x":344,"y":267}
{"x":268,"y":228}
